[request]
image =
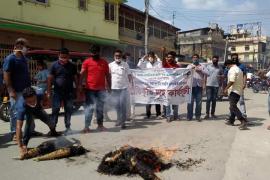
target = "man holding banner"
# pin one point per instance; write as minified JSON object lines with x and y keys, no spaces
{"x":171,"y":63}
{"x":197,"y":87}
{"x":150,"y":61}
{"x":169,"y":86}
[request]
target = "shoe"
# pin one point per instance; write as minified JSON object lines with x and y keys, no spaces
{"x":206,"y":116}
{"x":53,"y":133}
{"x":14,"y":138}
{"x":86,"y":131}
{"x":123,"y":126}
{"x":176,"y":119}
{"x":169,"y":119}
{"x":198,"y":119}
{"x":228,"y":122}
{"x":101,"y":128}
{"x":243,"y":125}
{"x":189,"y":119}
{"x":117,"y":124}
{"x":68,"y":131}
{"x":36,"y":134}
{"x":213,"y":116}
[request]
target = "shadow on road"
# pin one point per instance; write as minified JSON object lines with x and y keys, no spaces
{"x":5,"y":139}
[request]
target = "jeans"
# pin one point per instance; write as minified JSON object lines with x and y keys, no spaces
{"x":13,"y":112}
{"x":196,"y":96}
{"x":67,"y":100}
{"x":234,"y":111}
{"x":211,"y":94}
{"x":120,"y":97}
{"x":92,"y":98}
{"x":148,"y":109}
{"x":168,"y":111}
{"x":39,"y":114}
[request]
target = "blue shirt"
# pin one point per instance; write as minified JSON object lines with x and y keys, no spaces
{"x":42,"y":76}
{"x":243,"y":69}
{"x":63,"y":76}
{"x":23,"y":109}
{"x":18,"y":69}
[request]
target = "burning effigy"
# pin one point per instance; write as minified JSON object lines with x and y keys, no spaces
{"x":43,"y":148}
{"x":131,"y":160}
{"x":48,"y":151}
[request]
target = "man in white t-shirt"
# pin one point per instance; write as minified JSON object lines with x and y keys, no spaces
{"x":151,"y":61}
{"x":120,"y":75}
{"x":234,"y":89}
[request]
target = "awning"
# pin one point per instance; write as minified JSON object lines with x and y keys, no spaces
{"x":54,"y":32}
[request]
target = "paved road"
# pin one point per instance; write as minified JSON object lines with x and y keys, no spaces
{"x":229,"y":154}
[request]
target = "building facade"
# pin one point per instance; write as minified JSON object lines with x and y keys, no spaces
{"x":252,"y":50}
{"x":162,"y":36}
{"x":205,"y":42}
{"x":52,"y":24}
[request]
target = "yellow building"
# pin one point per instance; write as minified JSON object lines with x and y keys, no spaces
{"x":250,"y":49}
{"x":52,"y":24}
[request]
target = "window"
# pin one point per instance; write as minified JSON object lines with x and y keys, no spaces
{"x":163,"y":34}
{"x":139,"y":27}
{"x":121,"y":21}
{"x":150,"y":31}
{"x":109,"y":11}
{"x":129,"y":24}
{"x":82,"y":4}
{"x":157,"y":32}
{"x":233,"y":48}
{"x":44,"y":2}
{"x":246,"y":47}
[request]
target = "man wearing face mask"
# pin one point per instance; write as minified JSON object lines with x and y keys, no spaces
{"x":150,"y":61}
{"x":62,"y":74}
{"x":197,"y":87}
{"x":212,"y":86}
{"x":121,"y":76}
{"x":243,"y":68}
{"x":98,"y":79}
{"x":29,"y":106}
{"x":16,"y":78}
{"x":171,"y":111}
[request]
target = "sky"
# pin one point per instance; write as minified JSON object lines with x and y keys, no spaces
{"x":193,"y":14}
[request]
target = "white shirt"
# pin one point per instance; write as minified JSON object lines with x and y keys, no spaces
{"x":235,"y":75}
{"x":119,"y":73}
{"x":144,"y":64}
{"x":268,"y":74}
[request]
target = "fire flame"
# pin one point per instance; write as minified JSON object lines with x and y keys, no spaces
{"x":164,"y":153}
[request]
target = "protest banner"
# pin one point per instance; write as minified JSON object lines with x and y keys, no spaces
{"x":161,"y":86}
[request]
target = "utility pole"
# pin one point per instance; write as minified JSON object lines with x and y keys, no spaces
{"x":226,"y":48}
{"x":173,"y":17}
{"x":147,"y":3}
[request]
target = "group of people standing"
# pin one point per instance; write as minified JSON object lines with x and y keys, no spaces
{"x":100,"y":78}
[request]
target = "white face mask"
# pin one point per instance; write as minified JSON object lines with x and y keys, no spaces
{"x":118,"y":60}
{"x":23,"y":50}
{"x":32,"y":106}
{"x":151,"y":59}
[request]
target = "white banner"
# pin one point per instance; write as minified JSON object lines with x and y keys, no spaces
{"x":161,"y":86}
